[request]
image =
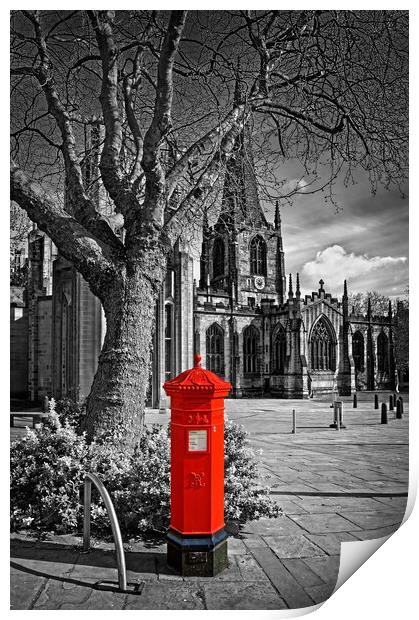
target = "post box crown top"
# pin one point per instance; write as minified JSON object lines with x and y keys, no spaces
{"x":197,"y":379}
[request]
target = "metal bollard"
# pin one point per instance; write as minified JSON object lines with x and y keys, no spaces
{"x":399,"y":414}
{"x":376,"y":401}
{"x":337,"y":415}
{"x":294,"y":421}
{"x":45,"y":405}
{"x":401,"y":403}
{"x":390,"y":403}
{"x":384,"y":419}
{"x":355,"y":401}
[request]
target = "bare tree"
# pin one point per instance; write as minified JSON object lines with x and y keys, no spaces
{"x":327,"y":89}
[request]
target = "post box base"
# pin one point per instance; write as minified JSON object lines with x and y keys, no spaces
{"x":197,"y":555}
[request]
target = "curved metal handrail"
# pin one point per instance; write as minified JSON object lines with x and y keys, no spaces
{"x":120,"y":556}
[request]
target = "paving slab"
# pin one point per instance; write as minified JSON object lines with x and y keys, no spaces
{"x":328,"y":522}
{"x":320,"y":593}
{"x":285,"y":584}
{"x":243,"y":596}
{"x":331,"y":543}
{"x":167,"y":596}
{"x":281,"y":525}
{"x":24,"y":588}
{"x":372,"y":520}
{"x":326,"y":567}
{"x":376,"y":533}
{"x":293,"y":546}
{"x":250,"y":569}
{"x":302,"y":573}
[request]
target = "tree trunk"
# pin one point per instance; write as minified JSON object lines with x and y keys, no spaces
{"x":117,"y":398}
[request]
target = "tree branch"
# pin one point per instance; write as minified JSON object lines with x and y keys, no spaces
{"x":116,"y":183}
{"x":73,"y":240}
{"x":205,"y":184}
{"x":83,"y":208}
{"x":211,"y":141}
{"x":161,"y":123}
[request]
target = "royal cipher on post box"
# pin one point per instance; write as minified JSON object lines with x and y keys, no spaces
{"x":197,"y":541}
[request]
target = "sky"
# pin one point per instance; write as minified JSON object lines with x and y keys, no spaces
{"x":366,"y":241}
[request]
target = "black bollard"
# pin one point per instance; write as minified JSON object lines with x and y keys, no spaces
{"x":399,"y":414}
{"x":294,"y":422}
{"x":384,"y":419}
{"x":401,"y":403}
{"x":376,"y":401}
{"x":355,"y":401}
{"x":394,"y":400}
{"x":390,"y":403}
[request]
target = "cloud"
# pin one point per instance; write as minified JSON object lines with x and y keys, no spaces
{"x":295,"y":185}
{"x":334,"y":264}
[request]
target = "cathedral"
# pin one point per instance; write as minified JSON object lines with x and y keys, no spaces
{"x":250,"y":322}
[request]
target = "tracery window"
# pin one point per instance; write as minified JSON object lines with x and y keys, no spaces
{"x":250,"y":347}
{"x":218,"y":257}
{"x":215,"y":349}
{"x":382,"y":352}
{"x":322,"y":346}
{"x":279,"y":349}
{"x":358,"y":351}
{"x":258,"y":256}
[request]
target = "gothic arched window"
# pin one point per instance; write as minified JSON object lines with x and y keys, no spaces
{"x":358,"y":351}
{"x":218,"y":257}
{"x":215,"y":349}
{"x":279,"y":349}
{"x":258,"y":256}
{"x":322,"y":345}
{"x":250,"y":347}
{"x":382,"y":352}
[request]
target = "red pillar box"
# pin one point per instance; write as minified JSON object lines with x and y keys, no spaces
{"x":197,"y":541}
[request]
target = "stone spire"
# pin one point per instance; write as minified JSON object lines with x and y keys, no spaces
{"x":297,"y":290}
{"x":290,"y":291}
{"x":370,"y":351}
{"x":281,"y":281}
{"x":345,"y":302}
{"x":240,"y":206}
{"x":277,"y":217}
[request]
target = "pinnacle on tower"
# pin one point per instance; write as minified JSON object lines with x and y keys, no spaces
{"x":345,"y":289}
{"x":277,"y":216}
{"x":390,"y":311}
{"x":290,"y":292}
{"x":297,"y":290}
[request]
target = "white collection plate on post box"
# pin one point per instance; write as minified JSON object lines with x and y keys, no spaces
{"x":197,"y":441}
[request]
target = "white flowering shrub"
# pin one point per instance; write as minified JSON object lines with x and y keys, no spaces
{"x":243,"y":501}
{"x":48,"y":467}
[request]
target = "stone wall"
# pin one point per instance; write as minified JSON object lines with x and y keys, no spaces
{"x":18,"y":352}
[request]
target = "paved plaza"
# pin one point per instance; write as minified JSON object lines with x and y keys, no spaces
{"x":333,"y":486}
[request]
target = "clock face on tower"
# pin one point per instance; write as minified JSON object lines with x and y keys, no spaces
{"x":259,"y":282}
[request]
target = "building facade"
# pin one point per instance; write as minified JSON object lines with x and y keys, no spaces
{"x":250,"y":322}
